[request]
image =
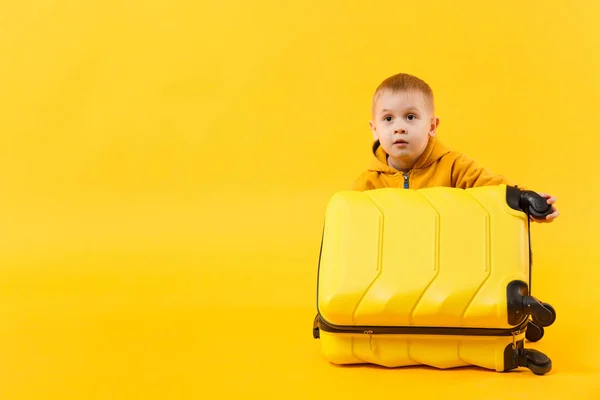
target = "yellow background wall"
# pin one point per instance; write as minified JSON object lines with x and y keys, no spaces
{"x":165,"y":166}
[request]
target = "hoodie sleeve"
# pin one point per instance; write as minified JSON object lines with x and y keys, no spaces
{"x":466,"y":173}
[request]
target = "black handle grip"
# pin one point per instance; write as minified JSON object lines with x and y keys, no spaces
{"x":534,"y":204}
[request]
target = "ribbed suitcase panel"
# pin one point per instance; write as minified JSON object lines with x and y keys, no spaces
{"x":428,"y":257}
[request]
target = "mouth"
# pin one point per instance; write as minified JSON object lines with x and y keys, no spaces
{"x":400,"y":142}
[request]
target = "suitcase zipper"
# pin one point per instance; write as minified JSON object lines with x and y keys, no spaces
{"x":321,"y":324}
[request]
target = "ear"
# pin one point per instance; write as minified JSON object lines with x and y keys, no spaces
{"x":373,"y":130}
{"x":435,"y":122}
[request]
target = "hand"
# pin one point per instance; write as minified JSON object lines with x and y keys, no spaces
{"x":549,"y":218}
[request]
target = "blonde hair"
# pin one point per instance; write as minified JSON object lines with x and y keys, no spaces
{"x":404,"y":83}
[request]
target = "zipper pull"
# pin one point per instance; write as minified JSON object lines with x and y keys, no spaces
{"x":405,"y":180}
{"x":514,"y":336}
{"x":370,"y":333}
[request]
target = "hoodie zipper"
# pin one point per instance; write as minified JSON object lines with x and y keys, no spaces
{"x":406,"y":180}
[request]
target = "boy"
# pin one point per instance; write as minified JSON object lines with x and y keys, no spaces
{"x":406,"y":152}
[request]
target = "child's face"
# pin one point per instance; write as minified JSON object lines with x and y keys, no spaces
{"x":403,"y":122}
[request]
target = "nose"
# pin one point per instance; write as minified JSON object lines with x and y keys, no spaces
{"x":400,"y":129}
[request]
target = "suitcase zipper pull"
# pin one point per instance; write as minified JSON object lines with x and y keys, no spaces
{"x":370,"y":333}
{"x":514,"y":335}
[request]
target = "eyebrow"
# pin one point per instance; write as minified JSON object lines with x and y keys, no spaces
{"x":411,"y":108}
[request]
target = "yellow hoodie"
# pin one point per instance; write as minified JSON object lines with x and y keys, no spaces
{"x":437,"y":166}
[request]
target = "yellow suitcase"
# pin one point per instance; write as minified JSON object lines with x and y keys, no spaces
{"x":436,"y":276}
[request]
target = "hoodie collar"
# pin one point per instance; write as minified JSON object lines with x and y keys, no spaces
{"x":433,"y":152}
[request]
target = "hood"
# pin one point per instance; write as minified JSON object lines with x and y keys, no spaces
{"x":433,"y":152}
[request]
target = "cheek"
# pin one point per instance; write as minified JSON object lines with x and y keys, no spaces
{"x":385,"y":132}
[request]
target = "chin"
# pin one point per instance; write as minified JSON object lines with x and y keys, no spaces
{"x":400,"y":154}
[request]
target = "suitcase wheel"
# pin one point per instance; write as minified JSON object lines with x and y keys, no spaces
{"x":535,"y":360}
{"x":543,"y":314}
{"x":534,"y":204}
{"x":534,"y":332}
{"x":520,"y":304}
{"x":552,"y":310}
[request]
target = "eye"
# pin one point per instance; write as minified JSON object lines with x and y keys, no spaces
{"x":387,"y":118}
{"x":411,"y":117}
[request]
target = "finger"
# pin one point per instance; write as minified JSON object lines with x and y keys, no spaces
{"x":547,"y":218}
{"x":552,"y":216}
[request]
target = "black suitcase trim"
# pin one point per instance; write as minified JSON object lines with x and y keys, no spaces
{"x":321,"y":324}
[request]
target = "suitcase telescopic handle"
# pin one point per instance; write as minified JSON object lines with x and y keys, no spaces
{"x":534,"y":204}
